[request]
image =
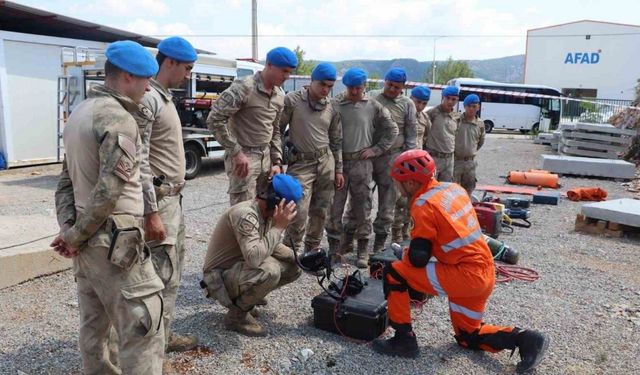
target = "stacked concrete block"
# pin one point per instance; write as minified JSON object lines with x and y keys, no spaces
{"x":544,"y":139}
{"x":590,"y":167}
{"x":594,"y":140}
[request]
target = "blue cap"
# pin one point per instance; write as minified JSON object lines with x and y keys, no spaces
{"x":178,"y":49}
{"x":324,"y":71}
{"x":396,"y":75}
{"x":354,"y":77}
{"x":282,"y":57}
{"x":471,"y":99}
{"x":287,"y":187}
{"x":450,"y":91}
{"x":132,"y":58}
{"x":421,"y":92}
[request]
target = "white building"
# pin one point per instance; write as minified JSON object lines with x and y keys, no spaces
{"x":585,"y":58}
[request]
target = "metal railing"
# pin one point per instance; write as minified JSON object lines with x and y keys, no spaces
{"x":596,"y":110}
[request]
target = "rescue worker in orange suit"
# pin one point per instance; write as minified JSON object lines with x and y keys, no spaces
{"x":445,"y":226}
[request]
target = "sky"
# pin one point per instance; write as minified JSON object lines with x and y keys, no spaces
{"x":334,"y":30}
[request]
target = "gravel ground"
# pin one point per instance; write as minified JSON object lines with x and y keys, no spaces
{"x":587,"y":300}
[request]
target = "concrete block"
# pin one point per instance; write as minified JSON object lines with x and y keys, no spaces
{"x":19,"y":265}
{"x":615,"y":139}
{"x":594,"y":145}
{"x":622,"y":211}
{"x":566,"y":127}
{"x":604,"y":128}
{"x":592,"y":154}
{"x":588,"y":166}
{"x":33,"y":259}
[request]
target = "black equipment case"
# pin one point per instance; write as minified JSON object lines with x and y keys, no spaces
{"x":362,"y":316}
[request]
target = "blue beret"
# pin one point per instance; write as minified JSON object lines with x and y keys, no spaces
{"x":178,"y":49}
{"x":451,"y":91}
{"x":421,"y":92}
{"x":282,"y":57}
{"x":396,"y":75}
{"x":471,"y":99}
{"x":132,"y":58}
{"x":324,"y":71}
{"x":354,"y":77}
{"x":287,"y":187}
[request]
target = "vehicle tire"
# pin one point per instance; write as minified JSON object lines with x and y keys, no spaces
{"x":535,"y":128}
{"x":193,"y":160}
{"x":488,"y":126}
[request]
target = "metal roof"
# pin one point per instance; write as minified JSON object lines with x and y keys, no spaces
{"x":23,"y":19}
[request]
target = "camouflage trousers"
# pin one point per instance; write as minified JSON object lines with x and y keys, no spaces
{"x":244,"y":188}
{"x":244,"y":286}
{"x":357,"y":187}
{"x":130,"y":301}
{"x":168,"y":255}
{"x":387,"y":193}
{"x":402,"y":215}
{"x":444,"y":168}
{"x":317,"y":179}
{"x":464,"y":173}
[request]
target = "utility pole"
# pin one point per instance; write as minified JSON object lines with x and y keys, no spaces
{"x":254,"y":29}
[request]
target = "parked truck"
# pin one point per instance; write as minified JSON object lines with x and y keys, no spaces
{"x":210,"y":76}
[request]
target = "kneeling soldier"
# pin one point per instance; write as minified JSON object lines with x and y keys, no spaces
{"x":246,"y":260}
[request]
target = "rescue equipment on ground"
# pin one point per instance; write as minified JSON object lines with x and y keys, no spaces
{"x":534,"y":178}
{"x":501,"y":251}
{"x":587,"y":194}
{"x":489,"y":217}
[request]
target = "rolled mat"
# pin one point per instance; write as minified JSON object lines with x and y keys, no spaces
{"x":587,"y":194}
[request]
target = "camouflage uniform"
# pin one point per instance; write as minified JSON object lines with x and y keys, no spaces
{"x":246,"y":118}
{"x":441,"y":141}
{"x":469,"y":139}
{"x":359,"y":123}
{"x":400,"y":227}
{"x":403,"y":113}
{"x":315,"y":156}
{"x":422,"y":129}
{"x":100,"y":186}
{"x":163,"y":155}
{"x":245,"y":258}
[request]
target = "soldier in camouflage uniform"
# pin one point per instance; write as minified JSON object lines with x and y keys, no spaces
{"x":245,"y":259}
{"x":442,"y":136}
{"x":164,"y":162}
{"x":420,"y":97}
{"x":245,"y":120}
{"x":100,"y":209}
{"x":403,"y":113}
{"x":315,"y":154}
{"x":361,"y":118}
{"x":469,"y":139}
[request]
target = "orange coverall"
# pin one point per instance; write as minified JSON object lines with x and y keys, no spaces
{"x":464,"y":272}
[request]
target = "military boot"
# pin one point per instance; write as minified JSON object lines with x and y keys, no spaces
{"x":346,"y":243}
{"x":178,"y":343}
{"x":532,"y":346}
{"x":378,"y":243}
{"x":243,"y":322}
{"x":402,"y":344}
{"x":363,"y":253}
{"x":396,"y":235}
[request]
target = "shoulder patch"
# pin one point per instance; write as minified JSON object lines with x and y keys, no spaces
{"x":127,"y":145}
{"x":248,"y":224}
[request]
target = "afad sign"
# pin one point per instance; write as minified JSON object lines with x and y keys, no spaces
{"x":583,"y":57}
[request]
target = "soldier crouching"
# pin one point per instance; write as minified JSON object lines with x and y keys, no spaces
{"x":245,"y":259}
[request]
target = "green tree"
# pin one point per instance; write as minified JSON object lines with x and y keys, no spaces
{"x":304,"y":67}
{"x":452,"y":69}
{"x":373,"y":85}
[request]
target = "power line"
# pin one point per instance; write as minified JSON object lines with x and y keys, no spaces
{"x":395,"y":35}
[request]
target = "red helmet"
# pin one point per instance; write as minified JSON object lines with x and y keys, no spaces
{"x":415,"y":165}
